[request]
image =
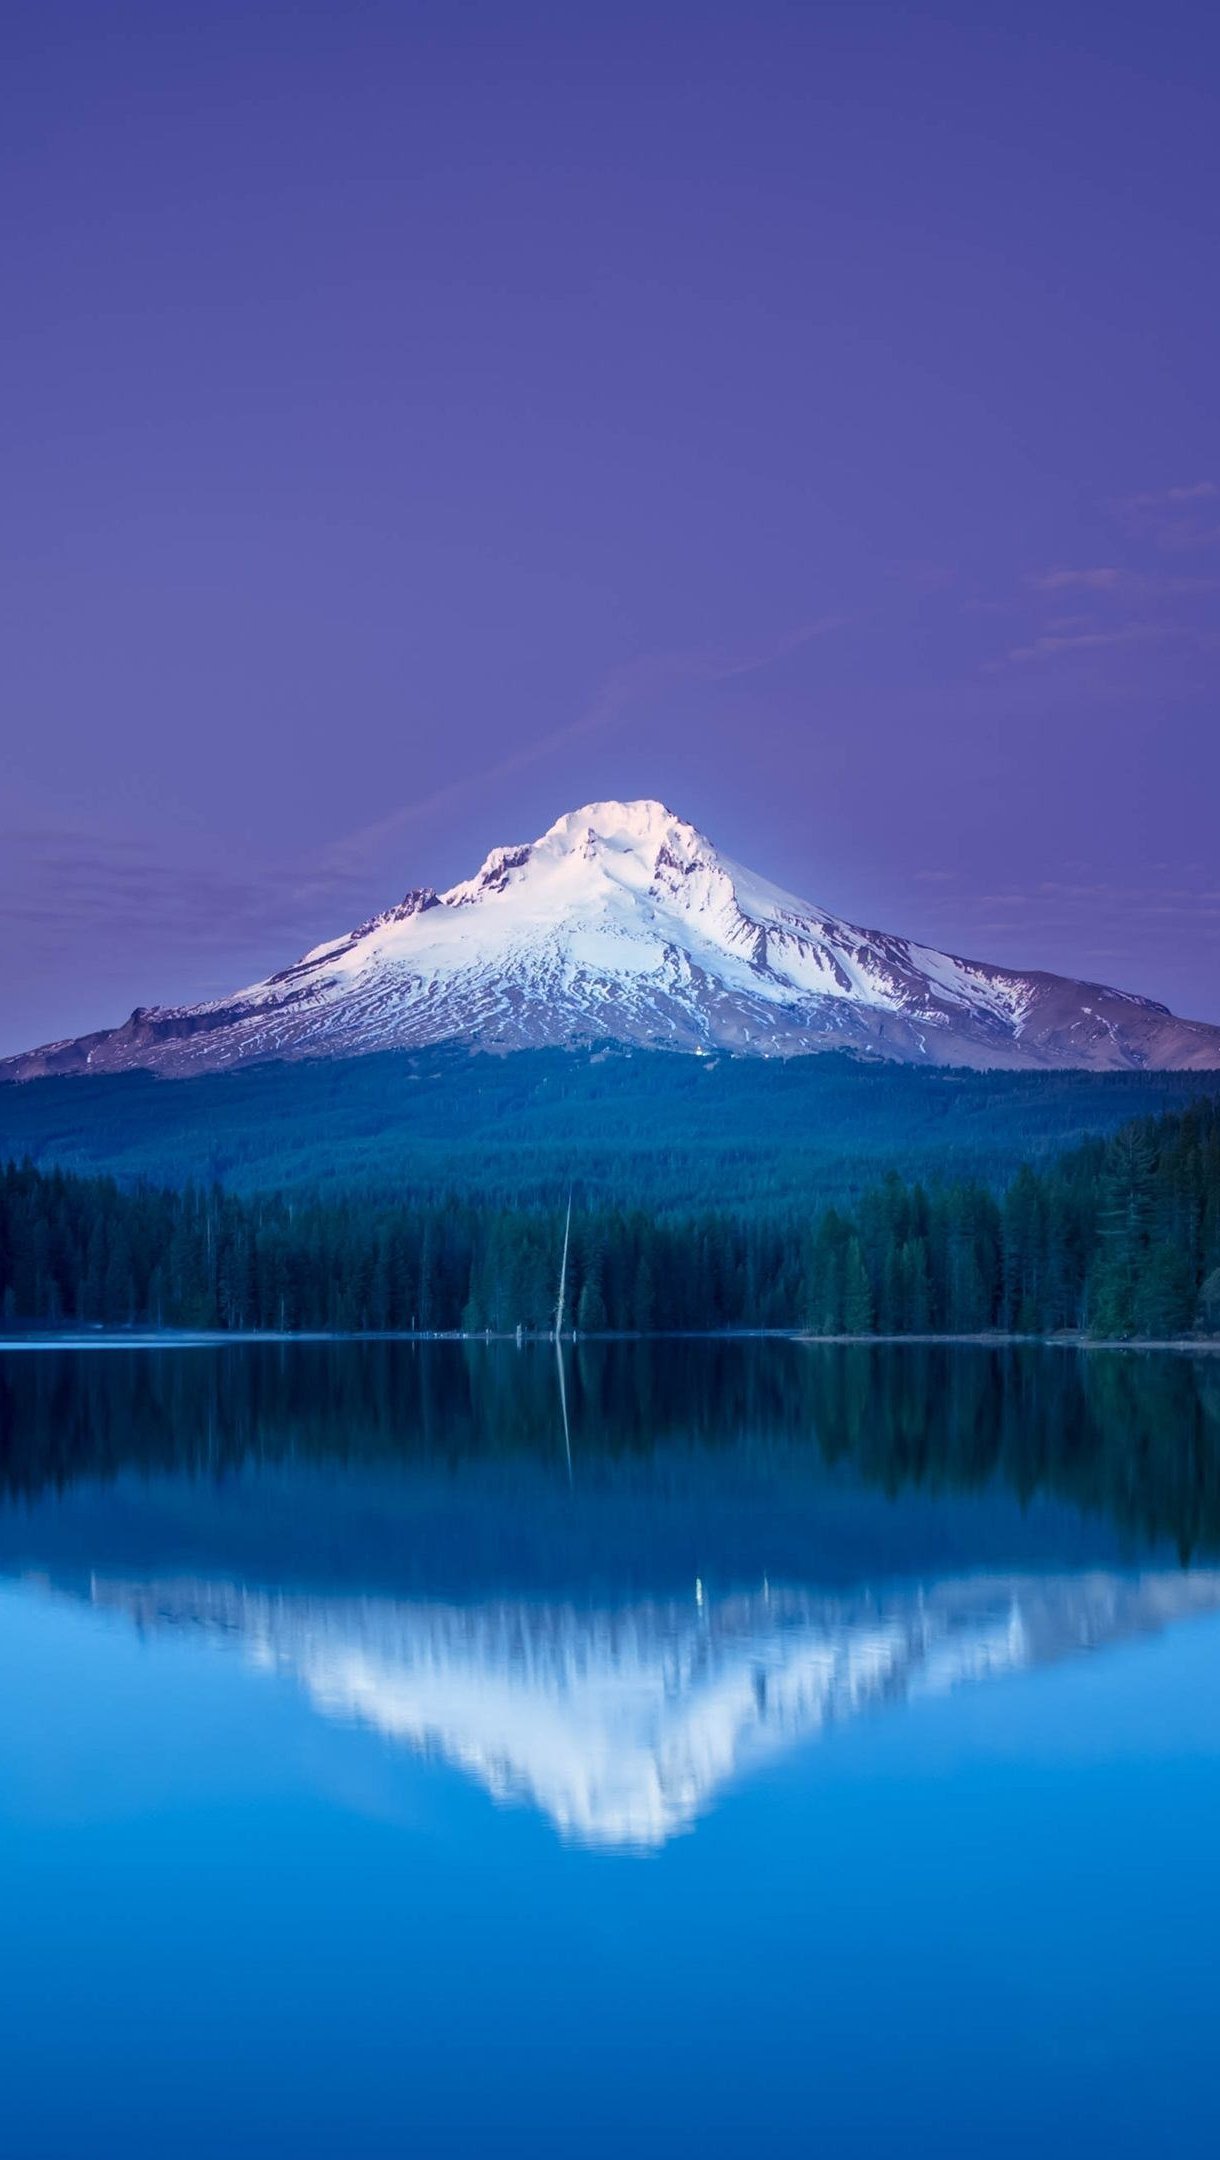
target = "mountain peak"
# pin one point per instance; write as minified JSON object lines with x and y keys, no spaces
{"x":636,"y":826}
{"x":624,"y":842}
{"x":623,"y":923}
{"x":646,"y":830}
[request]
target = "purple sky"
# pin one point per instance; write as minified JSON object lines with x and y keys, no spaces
{"x":418,"y":420}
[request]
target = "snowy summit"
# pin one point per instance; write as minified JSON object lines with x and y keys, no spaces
{"x":624,"y":924}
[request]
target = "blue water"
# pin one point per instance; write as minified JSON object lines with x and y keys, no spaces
{"x":712,"y":1780}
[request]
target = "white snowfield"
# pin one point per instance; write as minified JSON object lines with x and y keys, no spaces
{"x":623,"y":924}
{"x":622,"y":1725}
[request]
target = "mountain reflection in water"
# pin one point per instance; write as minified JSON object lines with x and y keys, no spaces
{"x":754,"y":1543}
{"x":622,"y":1725}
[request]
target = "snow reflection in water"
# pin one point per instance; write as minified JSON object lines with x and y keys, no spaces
{"x":622,"y":1725}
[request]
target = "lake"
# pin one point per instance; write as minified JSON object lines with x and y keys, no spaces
{"x":702,"y":1747}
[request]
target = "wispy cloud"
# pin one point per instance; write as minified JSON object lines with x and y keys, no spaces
{"x":1153,"y":899}
{"x":1054,"y":643}
{"x":1125,"y":604}
{"x":73,"y":888}
{"x":1178,"y":520}
{"x":1084,"y":923}
{"x":1174,"y":498}
{"x":62,"y":887}
{"x":632,"y":684}
{"x":1122,"y":583}
{"x":1106,"y":579}
{"x":1102,"y":906}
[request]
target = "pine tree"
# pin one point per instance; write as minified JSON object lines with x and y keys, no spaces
{"x":857,"y":1296}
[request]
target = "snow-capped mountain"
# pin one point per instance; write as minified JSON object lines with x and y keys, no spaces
{"x":622,"y":1724}
{"x":623,"y":923}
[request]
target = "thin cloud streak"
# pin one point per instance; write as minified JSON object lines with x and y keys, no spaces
{"x":1177,"y":520}
{"x":1134,"y":584}
{"x":1172,"y":497}
{"x":66,"y":886}
{"x":634,"y":681}
{"x":1053,"y":644}
{"x":1126,"y":604}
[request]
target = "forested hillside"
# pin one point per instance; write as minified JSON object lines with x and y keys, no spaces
{"x":647,"y":1129}
{"x":1121,"y":1237}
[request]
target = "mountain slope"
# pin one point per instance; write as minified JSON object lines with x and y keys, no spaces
{"x":622,"y":923}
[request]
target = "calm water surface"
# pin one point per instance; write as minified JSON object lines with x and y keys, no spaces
{"x":740,"y":1748}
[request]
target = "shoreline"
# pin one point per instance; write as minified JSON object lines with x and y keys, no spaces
{"x":217,"y":1338}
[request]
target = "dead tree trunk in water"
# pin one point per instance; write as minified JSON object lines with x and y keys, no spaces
{"x":563,"y":1271}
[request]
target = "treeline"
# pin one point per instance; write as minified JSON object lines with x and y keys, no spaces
{"x":1120,"y":1238}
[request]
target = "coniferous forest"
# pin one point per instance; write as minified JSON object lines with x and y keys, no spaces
{"x":645,"y":1128}
{"x":1119,"y":1238}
